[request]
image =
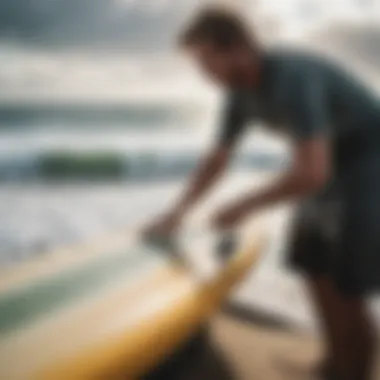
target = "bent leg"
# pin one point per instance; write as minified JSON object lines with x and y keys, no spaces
{"x":349,"y":331}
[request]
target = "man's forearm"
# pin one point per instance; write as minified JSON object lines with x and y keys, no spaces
{"x":309,"y":173}
{"x":310,"y":170}
{"x":289,"y":187}
{"x":205,"y":177}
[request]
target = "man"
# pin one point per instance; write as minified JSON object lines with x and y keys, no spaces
{"x":333,"y":122}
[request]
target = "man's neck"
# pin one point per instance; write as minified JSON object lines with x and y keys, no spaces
{"x":257,"y":68}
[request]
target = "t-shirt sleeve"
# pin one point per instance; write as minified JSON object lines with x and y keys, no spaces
{"x":233,"y":121}
{"x":306,"y":104}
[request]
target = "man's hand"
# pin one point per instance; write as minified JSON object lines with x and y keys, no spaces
{"x":229,"y":216}
{"x":206,"y":175}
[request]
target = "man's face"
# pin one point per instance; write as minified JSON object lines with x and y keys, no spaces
{"x":227,"y":67}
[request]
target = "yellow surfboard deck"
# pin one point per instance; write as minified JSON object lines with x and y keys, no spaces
{"x":111,"y":310}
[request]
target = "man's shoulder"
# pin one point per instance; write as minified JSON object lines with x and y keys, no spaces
{"x":292,"y":61}
{"x":293,"y":68}
{"x":292,"y":55}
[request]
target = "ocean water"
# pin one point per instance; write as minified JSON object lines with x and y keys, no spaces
{"x":39,"y":217}
{"x":71,"y":171}
{"x":132,"y":142}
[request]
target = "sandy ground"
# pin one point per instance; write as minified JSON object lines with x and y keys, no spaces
{"x":243,"y":349}
{"x":264,"y":353}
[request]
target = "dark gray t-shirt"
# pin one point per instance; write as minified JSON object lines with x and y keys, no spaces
{"x":304,"y":96}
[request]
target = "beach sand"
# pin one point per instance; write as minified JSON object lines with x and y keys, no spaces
{"x":249,"y":347}
{"x":264,"y":352}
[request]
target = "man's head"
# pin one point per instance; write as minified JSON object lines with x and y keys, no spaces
{"x":223,"y":47}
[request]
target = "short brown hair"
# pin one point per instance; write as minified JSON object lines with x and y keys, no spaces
{"x":220,"y":27}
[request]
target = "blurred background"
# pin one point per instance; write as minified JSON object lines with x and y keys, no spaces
{"x":102,"y":119}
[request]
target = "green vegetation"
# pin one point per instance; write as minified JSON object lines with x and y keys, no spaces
{"x":91,"y":165}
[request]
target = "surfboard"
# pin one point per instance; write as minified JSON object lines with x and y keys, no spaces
{"x":113,"y":309}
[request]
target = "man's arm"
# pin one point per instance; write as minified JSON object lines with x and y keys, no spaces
{"x":233,"y":124}
{"x":308,"y":174}
{"x":207,"y":174}
{"x":211,"y":169}
{"x":311,"y":154}
{"x":307,"y":113}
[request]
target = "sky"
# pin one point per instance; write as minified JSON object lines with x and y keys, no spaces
{"x":149,"y":25}
{"x":88,"y":48}
{"x":114,"y":49}
{"x":126,"y":25}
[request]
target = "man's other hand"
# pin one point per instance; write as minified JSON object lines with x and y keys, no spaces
{"x":229,"y":217}
{"x":166,"y":225}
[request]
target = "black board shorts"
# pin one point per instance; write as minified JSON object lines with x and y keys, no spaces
{"x":337,"y":232}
